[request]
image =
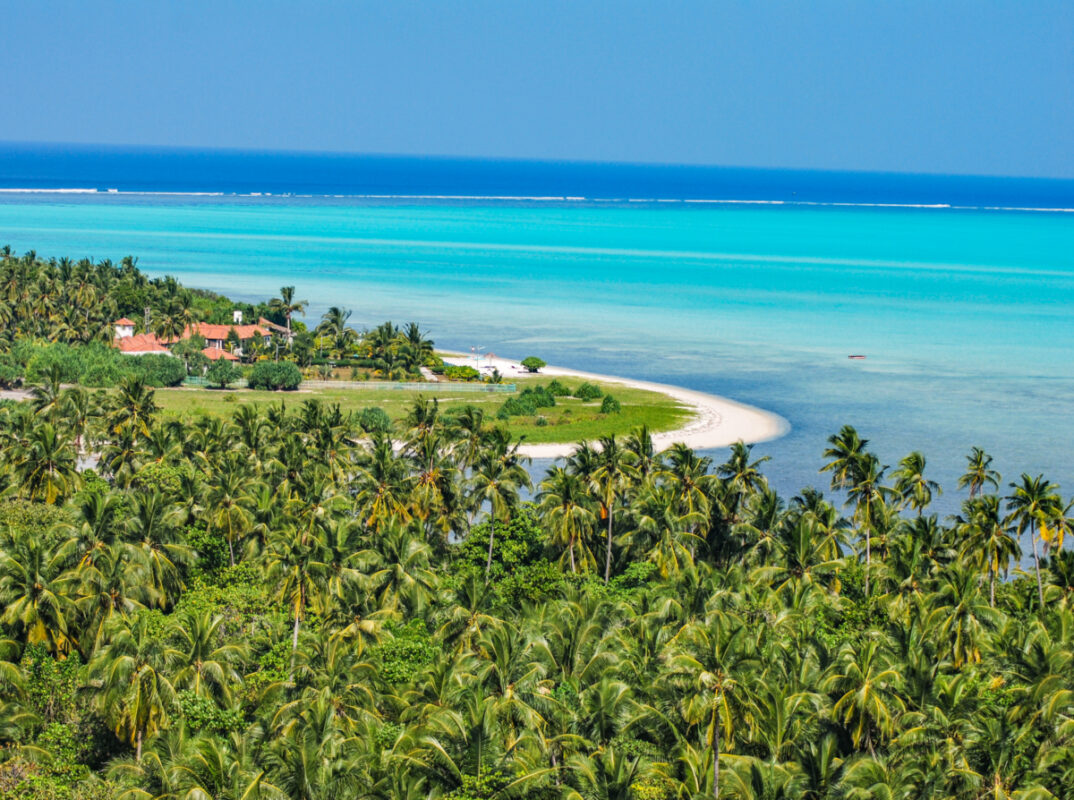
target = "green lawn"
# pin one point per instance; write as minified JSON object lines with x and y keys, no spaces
{"x":571,"y":420}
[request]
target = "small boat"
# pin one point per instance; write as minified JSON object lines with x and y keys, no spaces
{"x":856,"y":356}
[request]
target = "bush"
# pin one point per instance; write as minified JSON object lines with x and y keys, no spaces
{"x":223,"y":372}
{"x":275,"y":375}
{"x":610,"y":405}
{"x":557,"y":389}
{"x":588,"y":391}
{"x":532,"y":363}
{"x":156,"y":370}
{"x":463,"y":373}
{"x":374,"y":420}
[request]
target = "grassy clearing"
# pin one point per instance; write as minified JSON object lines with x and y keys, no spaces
{"x":571,"y":419}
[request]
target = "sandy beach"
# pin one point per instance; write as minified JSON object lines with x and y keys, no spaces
{"x":717,"y":421}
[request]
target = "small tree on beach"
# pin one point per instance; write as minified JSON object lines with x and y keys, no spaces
{"x":533,"y":364}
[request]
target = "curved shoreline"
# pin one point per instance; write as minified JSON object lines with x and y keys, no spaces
{"x":717,"y":421}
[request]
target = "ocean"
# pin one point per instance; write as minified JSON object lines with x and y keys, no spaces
{"x":753,"y":284}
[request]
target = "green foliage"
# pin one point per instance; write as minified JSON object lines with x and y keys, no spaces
{"x":156,"y":476}
{"x":609,"y":405}
{"x":274,"y":375}
{"x":461,"y":373}
{"x":222,"y":372}
{"x":374,"y":420}
{"x":202,"y":714}
{"x":404,"y":650}
{"x":527,"y":402}
{"x":558,"y":389}
{"x":533,"y":364}
{"x":588,"y":391}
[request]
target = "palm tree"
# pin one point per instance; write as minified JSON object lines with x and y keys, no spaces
{"x":132,"y":670}
{"x":911,"y":483}
{"x":866,"y":492}
{"x":46,"y":465}
{"x":564,"y":507}
{"x":497,"y":478}
{"x":845,"y":449}
{"x":615,"y":470}
{"x":866,"y":686}
{"x":987,"y":539}
{"x":287,"y":305}
{"x":979,"y":472}
{"x":713,"y":660}
{"x":1031,"y":503}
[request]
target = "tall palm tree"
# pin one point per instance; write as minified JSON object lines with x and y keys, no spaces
{"x":564,"y":507}
{"x":911,"y":483}
{"x":1031,"y":503}
{"x":844,"y":449}
{"x":615,"y":470}
{"x":287,"y":305}
{"x":133,"y":670}
{"x":867,"y":493}
{"x":979,"y":472}
{"x":987,"y":540}
{"x":496,"y":479}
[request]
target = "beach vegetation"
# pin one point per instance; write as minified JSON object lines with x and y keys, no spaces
{"x":533,"y":363}
{"x":588,"y":391}
{"x":274,"y":376}
{"x":221,"y":373}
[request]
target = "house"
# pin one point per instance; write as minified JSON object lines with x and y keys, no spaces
{"x":218,"y":353}
{"x":216,"y":336}
{"x":128,"y":343}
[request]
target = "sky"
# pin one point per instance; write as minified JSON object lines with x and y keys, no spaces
{"x":941,"y":87}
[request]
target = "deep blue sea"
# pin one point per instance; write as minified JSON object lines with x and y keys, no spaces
{"x":754,"y":284}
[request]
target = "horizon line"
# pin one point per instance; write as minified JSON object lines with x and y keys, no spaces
{"x":519,"y":160}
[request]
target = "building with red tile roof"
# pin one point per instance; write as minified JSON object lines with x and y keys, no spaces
{"x":217,"y":353}
{"x":142,"y":344}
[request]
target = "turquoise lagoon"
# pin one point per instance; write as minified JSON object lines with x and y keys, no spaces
{"x":964,"y":314}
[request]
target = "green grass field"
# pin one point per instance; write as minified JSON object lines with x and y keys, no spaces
{"x":571,"y":420}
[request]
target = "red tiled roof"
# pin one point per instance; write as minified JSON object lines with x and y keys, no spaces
{"x":124,"y":321}
{"x":220,"y":332}
{"x":216,"y":353}
{"x":142,"y":343}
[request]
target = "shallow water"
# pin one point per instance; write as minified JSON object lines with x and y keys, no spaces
{"x":963,"y":313}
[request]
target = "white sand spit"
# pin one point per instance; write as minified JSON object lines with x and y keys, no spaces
{"x":716,"y":421}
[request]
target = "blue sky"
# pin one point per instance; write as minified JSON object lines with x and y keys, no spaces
{"x":951,"y":87}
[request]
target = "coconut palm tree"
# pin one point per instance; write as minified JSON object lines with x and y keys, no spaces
{"x":979,"y":472}
{"x":287,"y":305}
{"x":132,"y":670}
{"x":911,"y":484}
{"x":496,"y":479}
{"x":564,"y":506}
{"x":1031,"y":503}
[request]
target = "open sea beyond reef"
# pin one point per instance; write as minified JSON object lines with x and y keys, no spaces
{"x":962,"y":307}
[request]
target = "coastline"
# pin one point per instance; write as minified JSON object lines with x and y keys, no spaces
{"x":717,"y":421}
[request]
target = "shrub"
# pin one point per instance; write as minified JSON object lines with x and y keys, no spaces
{"x":157,"y":370}
{"x":274,"y":375}
{"x":588,"y":391}
{"x":610,"y":405}
{"x":557,"y":389}
{"x":532,"y":363}
{"x":223,"y":372}
{"x":374,"y":420}
{"x":461,"y":373}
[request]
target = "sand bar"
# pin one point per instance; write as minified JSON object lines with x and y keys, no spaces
{"x":716,"y":422}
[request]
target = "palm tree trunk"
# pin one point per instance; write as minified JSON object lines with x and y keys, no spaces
{"x":868,"y":558}
{"x":294,"y":634}
{"x":138,"y":746}
{"x":716,"y":755}
{"x":608,"y":548}
{"x":1036,"y":565}
{"x":492,"y":538}
{"x":991,"y":586}
{"x":570,"y":550}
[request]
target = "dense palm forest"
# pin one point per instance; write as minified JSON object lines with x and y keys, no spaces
{"x":296,"y":602}
{"x":281,"y":605}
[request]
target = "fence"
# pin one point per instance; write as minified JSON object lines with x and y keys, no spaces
{"x":490,"y":388}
